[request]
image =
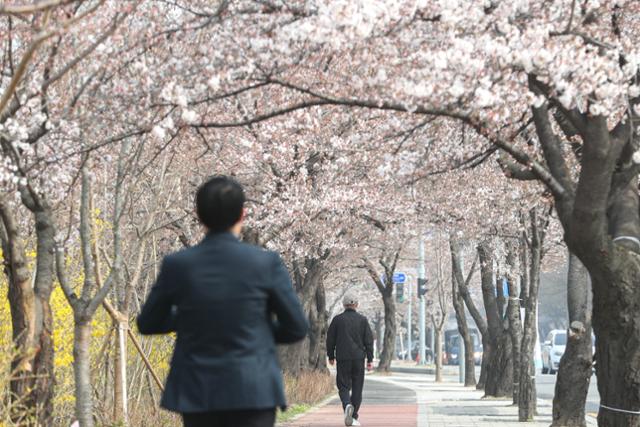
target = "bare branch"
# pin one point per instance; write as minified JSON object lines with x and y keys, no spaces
{"x":375,"y":222}
{"x":28,"y":9}
{"x":85,"y":53}
{"x":68,"y":292}
{"x":374,"y":275}
{"x":513,"y":170}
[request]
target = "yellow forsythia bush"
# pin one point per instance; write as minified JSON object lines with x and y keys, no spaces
{"x":62,"y":337}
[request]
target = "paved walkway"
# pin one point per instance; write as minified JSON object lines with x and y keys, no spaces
{"x":412,"y":400}
{"x":384,"y":405}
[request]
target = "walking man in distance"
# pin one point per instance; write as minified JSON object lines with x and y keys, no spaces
{"x":230,"y":303}
{"x":349,"y":341}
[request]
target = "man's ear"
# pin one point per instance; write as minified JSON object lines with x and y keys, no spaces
{"x":243,"y":215}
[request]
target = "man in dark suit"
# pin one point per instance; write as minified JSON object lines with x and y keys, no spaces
{"x":230,"y":303}
{"x":349,"y":341}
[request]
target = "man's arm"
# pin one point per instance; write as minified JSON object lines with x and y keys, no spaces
{"x":331,"y":340}
{"x":158,"y":312}
{"x":368,"y":341}
{"x":291,"y":324}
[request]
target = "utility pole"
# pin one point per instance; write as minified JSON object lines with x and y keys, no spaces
{"x":461,"y":359}
{"x":461,"y":348}
{"x":432,"y":341}
{"x":421,"y":278}
{"x":409,"y":321}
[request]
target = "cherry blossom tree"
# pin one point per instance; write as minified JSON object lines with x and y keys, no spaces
{"x":335,"y":109}
{"x":567,"y":68}
{"x":26,"y":107}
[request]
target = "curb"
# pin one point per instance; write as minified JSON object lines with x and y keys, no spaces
{"x":403,"y":370}
{"x":589,"y":419}
{"x":314,"y":408}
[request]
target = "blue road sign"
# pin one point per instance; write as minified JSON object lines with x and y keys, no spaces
{"x":399,"y":277}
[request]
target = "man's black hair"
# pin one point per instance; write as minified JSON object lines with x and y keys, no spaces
{"x":219,"y":203}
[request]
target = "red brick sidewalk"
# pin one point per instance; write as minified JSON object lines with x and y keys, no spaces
{"x":372,"y":415}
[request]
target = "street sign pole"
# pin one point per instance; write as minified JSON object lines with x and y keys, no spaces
{"x":461,"y":359}
{"x":409,"y":321}
{"x":462,"y":356}
{"x":421,"y":275}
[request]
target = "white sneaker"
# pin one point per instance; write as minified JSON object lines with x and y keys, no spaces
{"x":356,"y":423}
{"x":348,"y":415}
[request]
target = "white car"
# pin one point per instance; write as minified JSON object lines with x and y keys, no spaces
{"x":552,"y":350}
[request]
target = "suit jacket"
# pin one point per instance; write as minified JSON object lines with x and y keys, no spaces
{"x":229,"y":303}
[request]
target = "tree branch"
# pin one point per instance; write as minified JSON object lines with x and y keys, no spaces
{"x":82,"y":55}
{"x":550,"y":143}
{"x":513,"y":170}
{"x":577,"y":119}
{"x":68,"y":292}
{"x":29,"y":9}
{"x":370,"y":268}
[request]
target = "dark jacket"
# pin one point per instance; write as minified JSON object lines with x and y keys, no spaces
{"x":230,"y":303}
{"x":349,"y":337}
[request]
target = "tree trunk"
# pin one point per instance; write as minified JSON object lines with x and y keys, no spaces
{"x":515,"y":334}
{"x":119,"y":377}
{"x":385,"y":286}
{"x":310,"y":353}
{"x":616,"y":317}
{"x":574,"y":373}
{"x":465,"y":337}
{"x":82,"y":373}
{"x":43,"y":286}
{"x":318,"y":320}
{"x":601,"y":222}
{"x":515,"y":322}
{"x":500,"y":371}
{"x":389,"y":342}
{"x":457,"y":283}
{"x":32,"y":322}
{"x":378,"y":326}
{"x":527,"y":393}
{"x":484,"y":365}
{"x":497,"y":351}
{"x":21,"y":303}
{"x":481,"y":323}
{"x":615,"y":270}
{"x":438,"y":348}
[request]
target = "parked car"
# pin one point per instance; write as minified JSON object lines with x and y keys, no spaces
{"x":452,"y":356}
{"x":552,"y":350}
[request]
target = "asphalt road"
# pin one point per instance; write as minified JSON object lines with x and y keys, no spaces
{"x":546,"y":384}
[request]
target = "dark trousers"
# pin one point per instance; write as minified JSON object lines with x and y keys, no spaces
{"x":245,"y":418}
{"x":350,"y":381}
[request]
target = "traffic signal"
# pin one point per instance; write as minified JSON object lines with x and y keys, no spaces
{"x":422,"y":287}
{"x":400,"y":292}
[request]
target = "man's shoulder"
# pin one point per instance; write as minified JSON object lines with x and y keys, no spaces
{"x":362,"y":316}
{"x":338,"y":317}
{"x":251,"y":254}
{"x":238,"y":250}
{"x":180,"y":256}
{"x":258,"y":250}
{"x":257,"y":253}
